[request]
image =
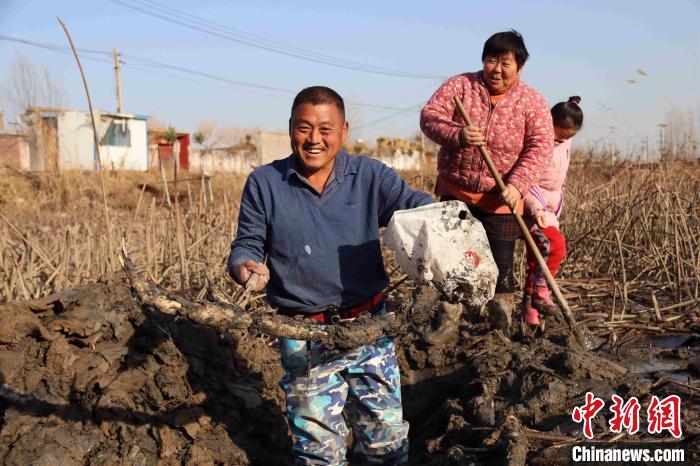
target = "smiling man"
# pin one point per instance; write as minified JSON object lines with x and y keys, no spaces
{"x":316,"y":217}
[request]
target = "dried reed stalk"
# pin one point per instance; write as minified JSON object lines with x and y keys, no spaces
{"x":108,"y":221}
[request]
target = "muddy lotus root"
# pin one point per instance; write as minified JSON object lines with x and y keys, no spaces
{"x":444,"y":246}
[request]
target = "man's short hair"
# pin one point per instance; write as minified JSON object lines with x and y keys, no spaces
{"x":318,"y":95}
{"x":503,"y":43}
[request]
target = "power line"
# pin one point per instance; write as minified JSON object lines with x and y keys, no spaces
{"x":148,"y":65}
{"x":190,"y":21}
{"x":386,"y":118}
{"x":244,"y":36}
{"x":57,"y":48}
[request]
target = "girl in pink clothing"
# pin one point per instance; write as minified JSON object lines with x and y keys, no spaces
{"x":543,"y":204}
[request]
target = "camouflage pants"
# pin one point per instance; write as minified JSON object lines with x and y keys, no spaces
{"x":363,"y":385}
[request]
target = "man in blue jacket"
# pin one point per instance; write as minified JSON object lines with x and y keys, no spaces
{"x":316,"y":216}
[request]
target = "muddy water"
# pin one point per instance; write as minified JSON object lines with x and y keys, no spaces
{"x":667,"y":355}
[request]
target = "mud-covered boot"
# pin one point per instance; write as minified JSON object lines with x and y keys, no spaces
{"x":500,"y":312}
{"x":447,"y":331}
{"x":542,"y":300}
{"x":529,"y":313}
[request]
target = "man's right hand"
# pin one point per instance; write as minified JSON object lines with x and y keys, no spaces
{"x":471,"y":136}
{"x":243,"y":271}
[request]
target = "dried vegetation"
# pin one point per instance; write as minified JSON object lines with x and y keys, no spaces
{"x":92,"y":376}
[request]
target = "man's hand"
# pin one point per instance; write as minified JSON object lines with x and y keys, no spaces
{"x":511,"y":196}
{"x":471,"y":136}
{"x":541,"y":220}
{"x":243,"y":271}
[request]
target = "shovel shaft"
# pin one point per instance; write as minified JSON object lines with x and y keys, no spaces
{"x":563,"y":305}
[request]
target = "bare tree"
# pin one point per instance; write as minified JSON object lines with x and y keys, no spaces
{"x":679,"y":140}
{"x":354,"y":115}
{"x":431,"y":149}
{"x":29,"y":86}
{"x":211,"y":135}
{"x":206,"y":134}
{"x":154,"y":123}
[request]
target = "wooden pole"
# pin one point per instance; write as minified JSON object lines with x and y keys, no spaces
{"x":564,"y":306}
{"x":422,"y":156}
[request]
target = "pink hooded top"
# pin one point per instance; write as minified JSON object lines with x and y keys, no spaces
{"x":547,"y":194}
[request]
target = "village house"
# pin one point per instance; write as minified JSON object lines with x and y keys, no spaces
{"x":14,"y":148}
{"x":62,"y":139}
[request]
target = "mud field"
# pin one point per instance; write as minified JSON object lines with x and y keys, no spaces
{"x":90,"y":377}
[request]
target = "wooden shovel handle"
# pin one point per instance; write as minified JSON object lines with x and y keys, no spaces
{"x":563,"y":305}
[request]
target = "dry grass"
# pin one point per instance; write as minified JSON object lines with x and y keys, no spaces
{"x":632,"y":234}
{"x":52,"y":233}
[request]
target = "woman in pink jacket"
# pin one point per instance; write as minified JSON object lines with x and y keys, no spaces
{"x":543,"y":205}
{"x":513,"y":121}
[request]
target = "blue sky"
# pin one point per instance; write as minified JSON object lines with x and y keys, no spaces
{"x":584,"y":48}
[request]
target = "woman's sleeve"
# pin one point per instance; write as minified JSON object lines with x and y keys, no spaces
{"x":537,"y":148}
{"x":436,"y":117}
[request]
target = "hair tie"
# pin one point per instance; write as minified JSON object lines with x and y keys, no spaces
{"x":574,"y":100}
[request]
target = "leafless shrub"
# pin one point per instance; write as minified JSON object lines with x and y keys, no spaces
{"x":29,"y":86}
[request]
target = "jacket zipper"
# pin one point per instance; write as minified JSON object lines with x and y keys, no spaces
{"x":488,"y":126}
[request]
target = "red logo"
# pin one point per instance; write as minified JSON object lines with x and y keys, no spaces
{"x":625,"y":415}
{"x":587,"y":412}
{"x":665,"y":415}
{"x":474,"y":257}
{"x":662,"y":415}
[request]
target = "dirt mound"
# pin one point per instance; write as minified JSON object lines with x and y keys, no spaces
{"x":490,"y":400}
{"x":90,"y":377}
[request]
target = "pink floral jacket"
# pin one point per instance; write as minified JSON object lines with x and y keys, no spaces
{"x":518,"y":133}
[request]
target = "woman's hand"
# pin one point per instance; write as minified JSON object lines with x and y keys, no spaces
{"x":511,"y":196}
{"x":471,"y":136}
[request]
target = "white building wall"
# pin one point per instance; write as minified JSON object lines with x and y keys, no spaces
{"x":402,"y":160}
{"x":221,"y":161}
{"x":271,"y":146}
{"x":76,"y":146}
{"x":75,"y":141}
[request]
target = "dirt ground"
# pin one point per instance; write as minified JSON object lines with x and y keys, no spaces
{"x":89,"y":377}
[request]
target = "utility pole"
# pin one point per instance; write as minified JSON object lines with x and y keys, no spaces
{"x":612,"y":149}
{"x":120,"y":100}
{"x":661,"y":140}
{"x":646,"y":148}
